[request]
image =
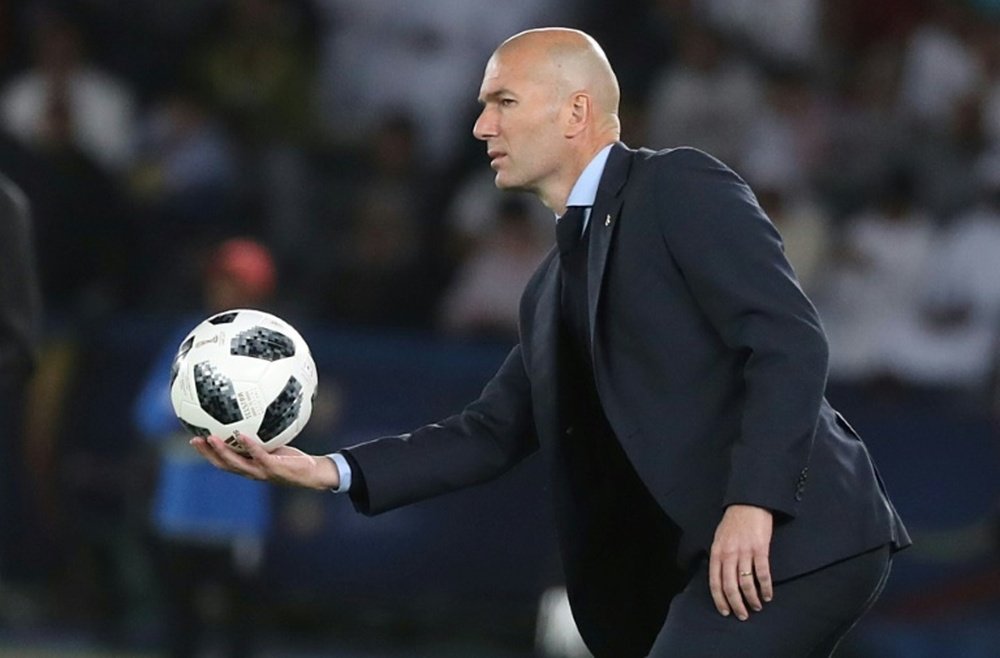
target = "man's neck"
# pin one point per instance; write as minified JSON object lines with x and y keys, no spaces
{"x":557,"y":198}
{"x":582,"y":190}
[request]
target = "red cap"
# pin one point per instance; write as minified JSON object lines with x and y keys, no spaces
{"x":248,"y":262}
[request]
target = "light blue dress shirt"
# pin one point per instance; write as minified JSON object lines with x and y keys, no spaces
{"x":345,"y":472}
{"x":585,"y":189}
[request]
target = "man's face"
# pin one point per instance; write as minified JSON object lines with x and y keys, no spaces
{"x":520,"y":121}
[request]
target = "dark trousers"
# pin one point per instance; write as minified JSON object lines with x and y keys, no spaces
{"x":807,"y":618}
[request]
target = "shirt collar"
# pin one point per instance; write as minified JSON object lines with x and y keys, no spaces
{"x":584,"y":191}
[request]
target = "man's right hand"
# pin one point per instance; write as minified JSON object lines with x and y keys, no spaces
{"x":285,"y":465}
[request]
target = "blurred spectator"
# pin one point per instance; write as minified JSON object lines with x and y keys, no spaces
{"x":429,"y":55}
{"x":471,"y":215}
{"x":853,"y":27}
{"x":184,"y":185}
{"x":81,"y":232}
{"x":802,"y":222}
{"x":6,"y":36}
{"x":258,"y":69}
{"x":380,"y":279}
{"x":785,"y":32}
{"x":989,"y":8}
{"x":940,"y":68}
{"x":865,"y":130}
{"x":146,"y":42}
{"x":209,"y":526}
{"x":794,"y":121}
{"x":84,"y":548}
{"x":706,"y":98}
{"x":484,"y":298}
{"x":990,"y":48}
{"x":945,"y":159}
{"x":20,"y":334}
{"x":876,"y":284}
{"x":370,"y":252}
{"x":63,"y":90}
{"x":641,"y":38}
{"x":20,"y":296}
{"x":186,"y":159}
{"x":957,"y":342}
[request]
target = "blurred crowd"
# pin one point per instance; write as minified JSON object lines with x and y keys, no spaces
{"x":336,"y":134}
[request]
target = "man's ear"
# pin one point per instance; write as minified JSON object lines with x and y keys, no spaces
{"x":580,"y":111}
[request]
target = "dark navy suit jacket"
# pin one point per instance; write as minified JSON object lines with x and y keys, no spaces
{"x":710,"y":365}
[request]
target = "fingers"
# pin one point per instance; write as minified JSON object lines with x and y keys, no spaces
{"x":206,"y":451}
{"x":739,"y":569}
{"x":245,"y":455}
{"x":762,"y":567}
{"x":739,"y":583}
{"x":715,"y":584}
{"x":731,"y":588}
{"x":221,"y":455}
{"x":747,"y":583}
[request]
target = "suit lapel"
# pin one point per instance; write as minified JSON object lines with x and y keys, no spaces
{"x":543,"y":329}
{"x":604,"y":218}
{"x":544,"y":338}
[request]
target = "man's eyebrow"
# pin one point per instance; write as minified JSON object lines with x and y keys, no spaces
{"x":493,"y":95}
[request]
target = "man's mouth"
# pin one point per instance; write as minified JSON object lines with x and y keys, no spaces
{"x":495,"y":157}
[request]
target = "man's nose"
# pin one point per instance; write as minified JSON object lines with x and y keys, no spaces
{"x":485,"y":125}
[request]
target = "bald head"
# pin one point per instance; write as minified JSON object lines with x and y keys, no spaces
{"x":571,"y":61}
{"x":550,"y":104}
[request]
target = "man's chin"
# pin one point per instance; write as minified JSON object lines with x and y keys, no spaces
{"x":505,"y":183}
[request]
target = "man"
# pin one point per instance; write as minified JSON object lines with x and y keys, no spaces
{"x":20,"y":320}
{"x":671,"y":371}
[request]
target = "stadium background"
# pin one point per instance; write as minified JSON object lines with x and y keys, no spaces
{"x":337,"y":134}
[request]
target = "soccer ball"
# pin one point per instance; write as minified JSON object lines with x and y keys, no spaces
{"x":244,"y":372}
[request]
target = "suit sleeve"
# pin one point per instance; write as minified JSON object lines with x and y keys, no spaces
{"x":486,"y":439}
{"x":733,"y":261}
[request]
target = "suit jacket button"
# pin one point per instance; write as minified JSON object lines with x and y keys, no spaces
{"x":569,"y":431}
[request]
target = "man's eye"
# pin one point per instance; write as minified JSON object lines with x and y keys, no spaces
{"x":507,"y":102}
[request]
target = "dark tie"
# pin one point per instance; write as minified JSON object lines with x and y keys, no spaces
{"x":573,"y":261}
{"x":569,"y":228}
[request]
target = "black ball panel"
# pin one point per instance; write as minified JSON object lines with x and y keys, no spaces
{"x":216,"y":394}
{"x":175,"y":367}
{"x":194,"y":430}
{"x":262,"y":343}
{"x":223,"y":318}
{"x":282,"y":412}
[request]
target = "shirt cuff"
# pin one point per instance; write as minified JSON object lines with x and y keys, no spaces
{"x":345,"y":472}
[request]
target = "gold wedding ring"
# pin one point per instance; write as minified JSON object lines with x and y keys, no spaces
{"x":744,"y":574}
